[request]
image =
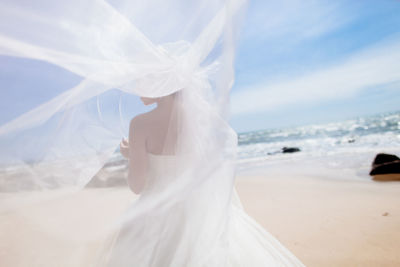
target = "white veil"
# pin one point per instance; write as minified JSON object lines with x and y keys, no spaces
{"x":147,"y":48}
{"x":187,"y":213}
{"x":123,"y":48}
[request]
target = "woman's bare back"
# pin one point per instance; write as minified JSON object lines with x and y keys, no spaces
{"x":153,"y":132}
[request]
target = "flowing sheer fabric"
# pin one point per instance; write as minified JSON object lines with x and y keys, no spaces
{"x":188,"y":213}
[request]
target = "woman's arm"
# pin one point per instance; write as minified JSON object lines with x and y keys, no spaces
{"x":137,"y":155}
{"x":124,"y":148}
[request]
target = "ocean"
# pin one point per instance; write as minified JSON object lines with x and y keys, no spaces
{"x":348,"y":145}
{"x":339,"y":150}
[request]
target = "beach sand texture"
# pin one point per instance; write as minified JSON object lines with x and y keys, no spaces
{"x":328,"y":222}
{"x":324,"y":222}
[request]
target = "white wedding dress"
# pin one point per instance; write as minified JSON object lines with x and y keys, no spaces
{"x":175,"y":236}
{"x":188,"y":215}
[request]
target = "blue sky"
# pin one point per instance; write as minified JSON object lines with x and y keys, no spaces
{"x":298,"y":62}
{"x":303,"y":62}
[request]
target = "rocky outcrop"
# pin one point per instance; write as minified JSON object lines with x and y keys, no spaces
{"x":290,"y":149}
{"x":386,"y":167}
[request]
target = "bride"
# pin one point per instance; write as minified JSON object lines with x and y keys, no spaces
{"x":147,"y":134}
{"x":200,"y":229}
{"x":176,"y":54}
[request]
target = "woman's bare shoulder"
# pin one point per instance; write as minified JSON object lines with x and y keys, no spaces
{"x":141,"y":121}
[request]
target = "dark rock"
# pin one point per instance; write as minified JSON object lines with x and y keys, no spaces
{"x":351,"y":140}
{"x":387,"y":168}
{"x":382,"y":158}
{"x":385,"y":164}
{"x":290,"y":149}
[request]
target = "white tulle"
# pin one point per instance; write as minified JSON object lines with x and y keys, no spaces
{"x":191,"y":233}
{"x":123,"y":49}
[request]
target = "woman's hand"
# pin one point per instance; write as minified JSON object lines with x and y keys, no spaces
{"x":124,"y":148}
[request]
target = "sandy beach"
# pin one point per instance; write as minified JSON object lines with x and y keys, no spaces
{"x":328,"y":222}
{"x":324,"y":222}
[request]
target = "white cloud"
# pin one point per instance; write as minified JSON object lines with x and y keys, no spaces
{"x":374,"y":66}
